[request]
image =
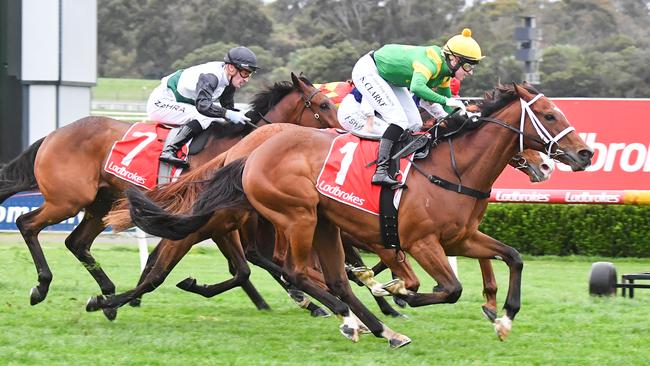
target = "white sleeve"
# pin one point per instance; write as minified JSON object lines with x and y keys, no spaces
{"x":434,"y":109}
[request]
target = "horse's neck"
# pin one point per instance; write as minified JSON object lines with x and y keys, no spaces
{"x":285,"y":111}
{"x":483,"y":154}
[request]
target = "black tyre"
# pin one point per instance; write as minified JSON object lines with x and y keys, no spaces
{"x":602,"y":279}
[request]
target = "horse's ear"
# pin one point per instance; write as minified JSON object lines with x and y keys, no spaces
{"x":295,"y":80}
{"x":517,"y":89}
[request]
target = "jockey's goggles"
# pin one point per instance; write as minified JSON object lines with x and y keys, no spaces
{"x":467,"y":66}
{"x":244,"y":73}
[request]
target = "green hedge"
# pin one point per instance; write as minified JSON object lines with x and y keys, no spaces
{"x":594,"y":230}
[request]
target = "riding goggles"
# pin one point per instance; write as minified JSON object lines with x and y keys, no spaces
{"x":467,"y":66}
{"x":244,"y":73}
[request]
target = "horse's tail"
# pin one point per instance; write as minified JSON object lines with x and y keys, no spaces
{"x":224,"y":191}
{"x":18,"y":175}
{"x":174,"y":198}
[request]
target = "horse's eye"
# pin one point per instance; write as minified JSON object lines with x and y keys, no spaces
{"x":325,"y":106}
{"x":549,"y":117}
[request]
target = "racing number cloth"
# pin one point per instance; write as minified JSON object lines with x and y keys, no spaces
{"x":135,"y":157}
{"x":346,"y":176}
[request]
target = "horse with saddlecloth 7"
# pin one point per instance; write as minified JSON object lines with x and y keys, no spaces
{"x":66,"y":166}
{"x":436,"y":216}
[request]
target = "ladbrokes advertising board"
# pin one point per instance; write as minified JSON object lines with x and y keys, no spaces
{"x":619,"y":132}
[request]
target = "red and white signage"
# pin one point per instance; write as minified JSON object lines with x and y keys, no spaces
{"x":619,"y":132}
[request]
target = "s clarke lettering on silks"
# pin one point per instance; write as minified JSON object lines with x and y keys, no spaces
{"x":628,"y":157}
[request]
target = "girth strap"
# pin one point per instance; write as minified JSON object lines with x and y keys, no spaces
{"x":458,"y":188}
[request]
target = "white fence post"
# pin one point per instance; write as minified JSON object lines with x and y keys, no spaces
{"x":142,"y":245}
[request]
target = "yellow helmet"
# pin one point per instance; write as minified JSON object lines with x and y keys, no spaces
{"x":464,"y":45}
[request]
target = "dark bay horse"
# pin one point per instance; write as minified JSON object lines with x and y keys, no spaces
{"x":428,"y":229}
{"x":66,"y":166}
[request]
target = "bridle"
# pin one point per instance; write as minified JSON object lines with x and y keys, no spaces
{"x":306,"y":99}
{"x":543,"y":137}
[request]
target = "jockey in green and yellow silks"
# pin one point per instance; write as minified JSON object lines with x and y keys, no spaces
{"x":385,"y":76}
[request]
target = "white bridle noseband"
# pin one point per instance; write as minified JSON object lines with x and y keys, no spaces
{"x":542,"y":132}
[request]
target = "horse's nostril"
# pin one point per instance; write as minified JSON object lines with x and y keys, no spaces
{"x":586,"y":154}
{"x":545,"y":168}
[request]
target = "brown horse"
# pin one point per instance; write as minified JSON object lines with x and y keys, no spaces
{"x":66,"y":166}
{"x":260,"y":251}
{"x":279,"y":181}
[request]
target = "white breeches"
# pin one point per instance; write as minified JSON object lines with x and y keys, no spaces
{"x":162,"y":107}
{"x":393,"y":103}
{"x":353,"y":117}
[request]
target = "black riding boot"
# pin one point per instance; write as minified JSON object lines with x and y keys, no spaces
{"x":381,"y":176}
{"x":186,"y":132}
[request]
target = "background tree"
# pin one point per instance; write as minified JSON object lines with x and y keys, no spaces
{"x":590,"y":47}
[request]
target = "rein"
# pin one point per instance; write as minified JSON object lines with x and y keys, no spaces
{"x":546,"y":140}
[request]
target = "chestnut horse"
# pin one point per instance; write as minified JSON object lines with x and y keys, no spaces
{"x":278,"y":179}
{"x":66,"y":166}
{"x":258,"y":249}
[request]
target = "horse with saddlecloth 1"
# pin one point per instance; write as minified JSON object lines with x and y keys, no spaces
{"x":180,"y":195}
{"x":67,"y":167}
{"x":278,"y":180}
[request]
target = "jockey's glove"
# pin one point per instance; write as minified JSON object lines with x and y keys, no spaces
{"x":455,"y":103}
{"x":236,"y":117}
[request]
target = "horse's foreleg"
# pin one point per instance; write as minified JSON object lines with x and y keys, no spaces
{"x":231,"y":248}
{"x":170,"y":254}
{"x":483,"y":246}
{"x":432,"y":258}
{"x":151,"y":259}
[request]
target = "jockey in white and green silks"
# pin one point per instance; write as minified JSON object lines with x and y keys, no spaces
{"x":384,"y":78}
{"x":196,"y":96}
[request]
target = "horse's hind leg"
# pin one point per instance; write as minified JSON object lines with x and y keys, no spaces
{"x":489,"y":290}
{"x":81,"y":239}
{"x":231,"y":248}
{"x":170,"y":253}
{"x":30,"y":225}
{"x":327,"y":244}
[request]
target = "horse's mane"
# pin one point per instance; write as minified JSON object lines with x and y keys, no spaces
{"x":501,"y":96}
{"x":261,"y":104}
{"x":265,"y":100}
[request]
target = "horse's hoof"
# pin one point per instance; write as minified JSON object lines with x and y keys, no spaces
{"x":187,"y":284}
{"x":93,"y":303}
{"x":320,"y":313}
{"x":135,"y":303}
{"x":502,"y":327}
{"x":109,"y":313}
{"x":397,"y":314}
{"x":379,"y":291}
{"x":399,"y":341}
{"x":35,"y":296}
{"x":400,"y":302}
{"x":490,"y":314}
{"x":349,"y":332}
